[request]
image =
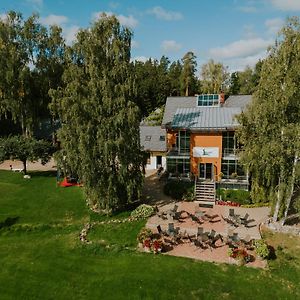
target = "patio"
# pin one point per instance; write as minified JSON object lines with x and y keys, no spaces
{"x":189,"y":217}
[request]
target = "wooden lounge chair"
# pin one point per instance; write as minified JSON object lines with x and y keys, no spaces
{"x":245,"y":218}
{"x":200,"y":231}
{"x":212,"y":234}
{"x":230,"y":222}
{"x":195,"y":219}
{"x":200,"y":244}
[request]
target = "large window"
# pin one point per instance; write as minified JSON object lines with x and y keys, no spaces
{"x":232,"y":169}
{"x":178,"y":165}
{"x":208,"y":100}
{"x":183,"y":142}
{"x":228,"y":143}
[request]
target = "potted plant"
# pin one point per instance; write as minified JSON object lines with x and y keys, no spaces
{"x":234,"y":175}
{"x":220,"y":176}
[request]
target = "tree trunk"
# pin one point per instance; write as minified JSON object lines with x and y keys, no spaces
{"x":187,"y":91}
{"x":278,"y":202}
{"x":289,"y":199}
{"x":24,"y":167}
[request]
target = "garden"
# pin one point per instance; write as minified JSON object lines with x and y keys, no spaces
{"x":42,"y":256}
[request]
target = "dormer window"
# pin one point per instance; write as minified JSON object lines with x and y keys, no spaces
{"x":148,"y":138}
{"x":162,"y":138}
{"x":208,"y":100}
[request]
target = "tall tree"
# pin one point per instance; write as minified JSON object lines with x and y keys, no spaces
{"x":188,"y":78}
{"x":174,"y":74}
{"x":270,"y":128}
{"x":214,"y":77}
{"x":17,"y":49}
{"x":100,"y":125}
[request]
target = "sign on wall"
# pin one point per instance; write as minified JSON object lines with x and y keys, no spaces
{"x":206,"y":152}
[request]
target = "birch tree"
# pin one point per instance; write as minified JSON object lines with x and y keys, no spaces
{"x":270,"y":127}
{"x":100,"y":123}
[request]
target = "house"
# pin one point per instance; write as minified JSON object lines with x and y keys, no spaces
{"x":153,"y":142}
{"x":201,"y":139}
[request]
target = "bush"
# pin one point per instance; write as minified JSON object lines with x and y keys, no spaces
{"x":178,"y":189}
{"x":261,"y":249}
{"x":143,"y":211}
{"x":238,"y":196}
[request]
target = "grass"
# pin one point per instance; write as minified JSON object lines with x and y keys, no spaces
{"x":39,"y":261}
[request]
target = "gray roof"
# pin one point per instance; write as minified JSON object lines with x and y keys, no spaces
{"x":206,"y":118}
{"x":177,"y":102}
{"x":153,"y":143}
{"x":238,"y":101}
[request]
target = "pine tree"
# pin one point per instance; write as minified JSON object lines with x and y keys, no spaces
{"x":188,"y":79}
{"x":100,"y":125}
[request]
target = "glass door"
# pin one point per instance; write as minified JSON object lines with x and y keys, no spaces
{"x":206,"y":171}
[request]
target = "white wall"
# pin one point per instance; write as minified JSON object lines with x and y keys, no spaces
{"x":153,"y":166}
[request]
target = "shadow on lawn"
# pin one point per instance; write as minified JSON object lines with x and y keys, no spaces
{"x":9,"y":222}
{"x":42,"y":173}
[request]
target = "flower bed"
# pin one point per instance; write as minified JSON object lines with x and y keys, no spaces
{"x":148,"y":241}
{"x":227,"y":203}
{"x":240,"y":255}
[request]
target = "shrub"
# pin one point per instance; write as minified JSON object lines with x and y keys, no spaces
{"x":178,"y":189}
{"x":261,"y":249}
{"x":143,"y":211}
{"x":238,"y":196}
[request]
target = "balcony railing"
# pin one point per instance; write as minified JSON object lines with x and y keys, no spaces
{"x":174,"y":151}
{"x":231,"y":152}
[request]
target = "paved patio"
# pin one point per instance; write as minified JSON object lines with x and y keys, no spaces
{"x":187,"y":225}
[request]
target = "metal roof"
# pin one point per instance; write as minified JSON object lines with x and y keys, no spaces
{"x":238,"y":101}
{"x":206,"y":118}
{"x":150,"y":138}
{"x":173,"y":103}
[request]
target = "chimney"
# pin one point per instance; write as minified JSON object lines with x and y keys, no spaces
{"x":222,"y":97}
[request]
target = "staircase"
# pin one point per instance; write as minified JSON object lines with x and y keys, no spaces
{"x":205,"y":193}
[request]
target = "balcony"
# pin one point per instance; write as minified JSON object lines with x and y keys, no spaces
{"x":174,"y":152}
{"x":230,"y":153}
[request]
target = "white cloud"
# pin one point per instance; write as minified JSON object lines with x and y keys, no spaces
{"x":140,"y":58}
{"x":274,"y":25}
{"x":163,"y":14}
{"x":70,"y":33}
{"x":239,"y":64}
{"x":170,"y":46}
{"x":54,"y":20}
{"x":286,"y":5}
{"x":135,"y":44}
{"x":241,"y":48}
{"x":129,"y":21}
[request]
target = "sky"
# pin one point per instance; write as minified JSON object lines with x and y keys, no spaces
{"x":236,"y":33}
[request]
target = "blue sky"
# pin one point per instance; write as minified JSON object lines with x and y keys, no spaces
{"x":234,"y":32}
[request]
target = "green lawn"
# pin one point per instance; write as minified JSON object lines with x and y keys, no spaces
{"x":39,"y":261}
